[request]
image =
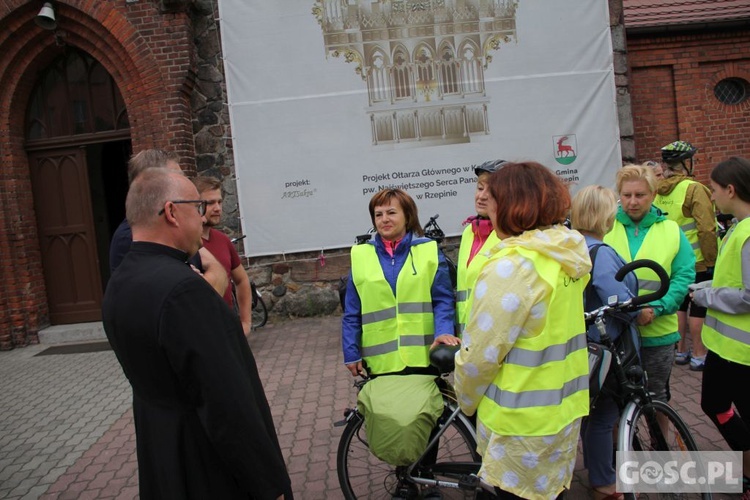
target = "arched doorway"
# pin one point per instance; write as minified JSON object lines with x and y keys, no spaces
{"x":78,"y":141}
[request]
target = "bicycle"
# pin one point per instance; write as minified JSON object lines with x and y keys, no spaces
{"x":258,"y":306}
{"x":434,"y":232}
{"x":362,"y":475}
{"x":639,"y":428}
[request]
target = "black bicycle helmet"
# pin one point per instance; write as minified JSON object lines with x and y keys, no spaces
{"x":489,"y":167}
{"x":677,"y":152}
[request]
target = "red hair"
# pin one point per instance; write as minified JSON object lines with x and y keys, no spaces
{"x":528,"y":196}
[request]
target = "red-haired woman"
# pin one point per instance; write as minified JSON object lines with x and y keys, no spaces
{"x":523,"y":364}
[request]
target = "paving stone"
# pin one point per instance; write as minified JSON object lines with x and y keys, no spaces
{"x":35,"y":492}
{"x":23,"y":487}
{"x":83,"y":401}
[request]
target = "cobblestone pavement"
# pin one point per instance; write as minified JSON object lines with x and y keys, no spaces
{"x":66,"y":426}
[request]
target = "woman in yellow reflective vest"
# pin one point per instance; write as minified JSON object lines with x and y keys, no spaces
{"x":726,"y":332}
{"x":641,"y":231}
{"x":478,"y":237}
{"x":399,"y":298}
{"x":523,"y":364}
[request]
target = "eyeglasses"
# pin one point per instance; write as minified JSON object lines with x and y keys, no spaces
{"x":200,"y":205}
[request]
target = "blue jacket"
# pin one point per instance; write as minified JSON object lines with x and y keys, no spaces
{"x":606,"y":264}
{"x":443,"y":304}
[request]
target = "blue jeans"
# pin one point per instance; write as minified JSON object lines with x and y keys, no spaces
{"x":598,"y":443}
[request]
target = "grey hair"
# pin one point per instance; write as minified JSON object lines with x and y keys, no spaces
{"x":149,"y":158}
{"x":150,"y":190}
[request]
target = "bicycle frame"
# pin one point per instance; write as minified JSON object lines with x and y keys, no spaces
{"x":465,"y":470}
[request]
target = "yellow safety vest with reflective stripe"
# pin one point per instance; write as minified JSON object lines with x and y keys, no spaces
{"x":467,"y":275}
{"x":661,"y":244}
{"x":671,"y":205}
{"x":397,"y":331}
{"x":543,"y":382}
{"x":728,"y":335}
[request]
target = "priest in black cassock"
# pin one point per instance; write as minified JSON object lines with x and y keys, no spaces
{"x":203,"y":425}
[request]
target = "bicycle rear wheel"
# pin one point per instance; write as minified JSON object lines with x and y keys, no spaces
{"x":363,"y":476}
{"x":259,"y":312}
{"x":643,"y":433}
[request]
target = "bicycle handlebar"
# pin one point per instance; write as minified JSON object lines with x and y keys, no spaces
{"x":634,"y":302}
{"x":432,"y":230}
{"x":655,"y":267}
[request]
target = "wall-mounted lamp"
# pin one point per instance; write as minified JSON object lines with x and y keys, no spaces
{"x":46,"y":17}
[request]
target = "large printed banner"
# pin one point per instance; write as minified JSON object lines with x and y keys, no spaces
{"x":333,"y":100}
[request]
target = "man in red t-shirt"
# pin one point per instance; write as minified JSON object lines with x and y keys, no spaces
{"x":222,"y":248}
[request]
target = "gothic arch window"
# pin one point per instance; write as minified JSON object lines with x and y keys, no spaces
{"x":450,"y":80}
{"x":424,"y":62}
{"x":377,"y":77}
{"x":401,"y":73}
{"x":471,"y":72}
{"x":74,"y":95}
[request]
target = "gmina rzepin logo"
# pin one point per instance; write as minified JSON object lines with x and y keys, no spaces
{"x":565,"y":149}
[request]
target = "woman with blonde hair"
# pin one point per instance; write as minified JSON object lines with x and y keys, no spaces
{"x":593,"y":215}
{"x":641,"y":231}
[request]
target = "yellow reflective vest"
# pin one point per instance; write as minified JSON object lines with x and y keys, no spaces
{"x":397,"y":331}
{"x":671,"y":205}
{"x":543,"y":382}
{"x":661,"y":244}
{"x":728,"y":335}
{"x":467,"y":274}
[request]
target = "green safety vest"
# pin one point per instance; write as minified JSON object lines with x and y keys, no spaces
{"x":728,"y":335}
{"x":543,"y":382}
{"x":671,"y":205}
{"x":397,"y":331}
{"x":661,"y":244}
{"x":467,"y":275}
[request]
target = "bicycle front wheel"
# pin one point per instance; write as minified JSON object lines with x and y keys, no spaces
{"x":260,"y":313}
{"x":363,"y":476}
{"x":657,"y":427}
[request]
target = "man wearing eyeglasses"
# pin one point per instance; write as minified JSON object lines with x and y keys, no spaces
{"x":219,"y":244}
{"x":202,"y":262}
{"x":203,"y":425}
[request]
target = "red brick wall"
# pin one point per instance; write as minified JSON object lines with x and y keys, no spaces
{"x":150,"y":55}
{"x":672,"y":81}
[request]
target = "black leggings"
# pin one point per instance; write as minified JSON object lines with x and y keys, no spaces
{"x":724,"y":384}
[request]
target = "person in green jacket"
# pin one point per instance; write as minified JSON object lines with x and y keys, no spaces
{"x":641,"y":231}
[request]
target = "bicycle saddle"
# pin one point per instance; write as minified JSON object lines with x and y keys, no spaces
{"x":441,"y":357}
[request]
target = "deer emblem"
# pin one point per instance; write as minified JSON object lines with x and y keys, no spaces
{"x":564,"y":150}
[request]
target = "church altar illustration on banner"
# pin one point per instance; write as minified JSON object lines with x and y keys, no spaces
{"x":423,"y":62}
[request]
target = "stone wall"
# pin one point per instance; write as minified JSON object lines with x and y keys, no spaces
{"x":307,"y":283}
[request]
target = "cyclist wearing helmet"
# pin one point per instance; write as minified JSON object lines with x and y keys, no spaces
{"x":476,"y":240}
{"x":688,"y":203}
